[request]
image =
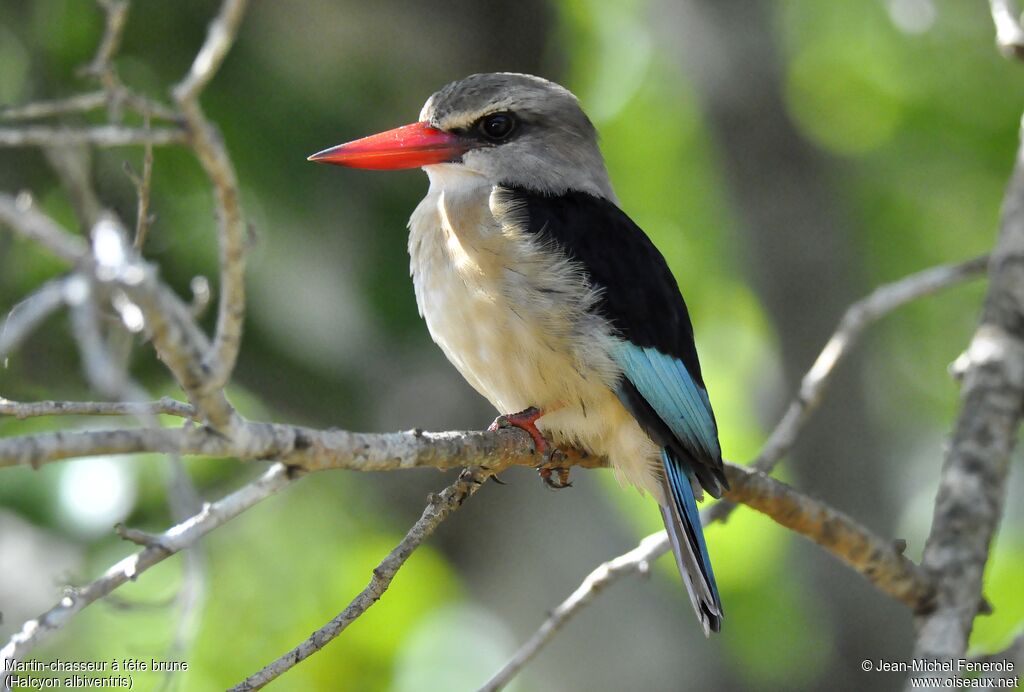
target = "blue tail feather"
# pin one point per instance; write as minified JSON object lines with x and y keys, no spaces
{"x":682,"y":520}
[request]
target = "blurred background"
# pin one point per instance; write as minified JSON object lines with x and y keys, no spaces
{"x":785,"y":156}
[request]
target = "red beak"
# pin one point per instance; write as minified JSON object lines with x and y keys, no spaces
{"x":410,"y":146}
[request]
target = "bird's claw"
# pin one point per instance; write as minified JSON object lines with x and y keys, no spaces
{"x":555,"y":477}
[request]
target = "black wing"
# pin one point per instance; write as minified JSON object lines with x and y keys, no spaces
{"x":640,"y":298}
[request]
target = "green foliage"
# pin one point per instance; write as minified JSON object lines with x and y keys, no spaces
{"x":919,"y":129}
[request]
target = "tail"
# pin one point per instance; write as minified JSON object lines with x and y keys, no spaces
{"x":682,"y":521}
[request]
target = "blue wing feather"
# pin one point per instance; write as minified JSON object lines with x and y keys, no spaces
{"x":682,"y":404}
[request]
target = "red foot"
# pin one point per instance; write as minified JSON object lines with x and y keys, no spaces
{"x":527,"y":420}
{"x":524,"y":420}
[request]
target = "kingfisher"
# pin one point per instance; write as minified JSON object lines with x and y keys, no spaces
{"x":550,"y":301}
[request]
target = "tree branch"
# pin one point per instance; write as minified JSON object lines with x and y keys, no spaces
{"x":165,"y":406}
{"x":972,"y":484}
{"x":164,"y":545}
{"x":113,"y":262}
{"x":116,"y":18}
{"x":208,"y":145}
{"x":98,"y":135}
{"x":858,"y":317}
{"x":27,"y":315}
{"x":79,"y":103}
{"x":636,"y":561}
{"x":309,"y":449}
{"x":877,"y":560}
{"x":874,"y":558}
{"x":22,"y":217}
{"x":306,"y":448}
{"x":438,"y":508}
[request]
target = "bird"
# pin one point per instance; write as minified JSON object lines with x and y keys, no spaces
{"x":550,"y":301}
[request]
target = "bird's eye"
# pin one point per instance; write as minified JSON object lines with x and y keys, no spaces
{"x":498,"y":126}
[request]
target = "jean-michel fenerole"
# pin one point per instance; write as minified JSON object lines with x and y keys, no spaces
{"x":960,"y":665}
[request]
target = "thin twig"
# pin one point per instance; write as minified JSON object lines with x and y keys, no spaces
{"x":165,"y":406}
{"x":213,"y":156}
{"x":27,"y":315}
{"x":879,"y":303}
{"x":79,"y":103}
{"x":98,"y":135}
{"x":173,"y":540}
{"x":636,"y":561}
{"x":438,"y":509}
{"x":142,"y":187}
{"x":89,"y":101}
{"x":220,"y":36}
{"x":179,"y":341}
{"x":102,"y":66}
{"x":116,"y":17}
{"x":874,"y":558}
{"x":21,"y":215}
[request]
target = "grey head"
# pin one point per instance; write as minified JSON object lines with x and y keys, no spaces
{"x":526,"y":131}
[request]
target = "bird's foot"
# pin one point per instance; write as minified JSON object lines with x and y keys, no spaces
{"x":524,"y":420}
{"x":555,"y":477}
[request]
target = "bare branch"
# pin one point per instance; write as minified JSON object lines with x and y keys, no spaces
{"x":219,"y":39}
{"x":1009,"y":34}
{"x":89,"y":101}
{"x":99,"y":135}
{"x":872,"y":557}
{"x":213,"y":156}
{"x":32,"y":409}
{"x":306,"y":448}
{"x":78,"y":103}
{"x":438,"y":509}
{"x":116,"y":18}
{"x":24,"y":219}
{"x":637,"y":561}
{"x":168,"y":321}
{"x":102,"y":371}
{"x":173,"y":540}
{"x":972,"y":484}
{"x":27,"y":315}
{"x":142,"y":187}
{"x":879,"y":303}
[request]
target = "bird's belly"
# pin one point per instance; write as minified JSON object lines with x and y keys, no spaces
{"x":515,"y":364}
{"x":502,"y":353}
